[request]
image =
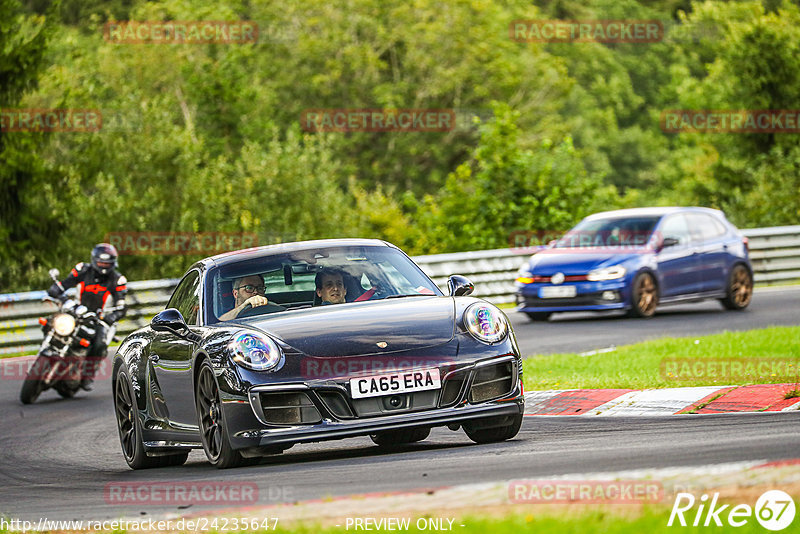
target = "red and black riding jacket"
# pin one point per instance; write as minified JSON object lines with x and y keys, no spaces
{"x":94,"y":289}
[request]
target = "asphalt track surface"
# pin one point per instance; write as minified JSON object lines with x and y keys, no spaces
{"x":58,"y":456}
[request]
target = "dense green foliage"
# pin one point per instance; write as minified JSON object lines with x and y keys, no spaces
{"x":204,"y":138}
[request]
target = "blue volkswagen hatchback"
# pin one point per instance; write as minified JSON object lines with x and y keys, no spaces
{"x":636,"y":260}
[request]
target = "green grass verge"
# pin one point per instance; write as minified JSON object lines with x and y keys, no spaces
{"x":17,"y":354}
{"x":639,"y":366}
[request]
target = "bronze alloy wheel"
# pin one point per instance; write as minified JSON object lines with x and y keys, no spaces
{"x":644,"y":298}
{"x":740,"y":288}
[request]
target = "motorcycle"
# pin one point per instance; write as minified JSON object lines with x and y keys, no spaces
{"x":68,"y":334}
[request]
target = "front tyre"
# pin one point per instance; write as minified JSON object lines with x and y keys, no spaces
{"x":397,"y":438}
{"x":31,"y":389}
{"x":739,"y":291}
{"x":33,"y":385}
{"x":644,"y":296}
{"x":506,"y":428}
{"x":211,"y":419}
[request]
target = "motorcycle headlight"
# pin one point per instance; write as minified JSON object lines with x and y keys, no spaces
{"x":63,"y":324}
{"x":485,"y":322}
{"x":608,"y":273}
{"x":255,"y":351}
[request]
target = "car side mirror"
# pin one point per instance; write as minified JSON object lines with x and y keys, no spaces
{"x":459,"y":286}
{"x":669,"y":242}
{"x":171,"y":320}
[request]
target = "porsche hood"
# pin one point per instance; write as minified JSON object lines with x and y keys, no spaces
{"x":357,"y":328}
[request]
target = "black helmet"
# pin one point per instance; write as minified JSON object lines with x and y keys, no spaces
{"x":104,"y":258}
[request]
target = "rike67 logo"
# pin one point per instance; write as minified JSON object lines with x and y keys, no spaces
{"x":774,"y":510}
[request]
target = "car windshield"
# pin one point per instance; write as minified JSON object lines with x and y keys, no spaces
{"x":609,"y":232}
{"x":288,"y":280}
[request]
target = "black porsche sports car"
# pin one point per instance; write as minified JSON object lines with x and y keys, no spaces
{"x":263,"y":348}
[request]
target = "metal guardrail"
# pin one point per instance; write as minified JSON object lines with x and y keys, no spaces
{"x":774,"y":253}
{"x":19,"y":313}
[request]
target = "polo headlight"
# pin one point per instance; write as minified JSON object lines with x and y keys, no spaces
{"x":255,"y":351}
{"x":524,"y":277}
{"x":485,"y":323}
{"x":63,"y":324}
{"x":608,"y":273}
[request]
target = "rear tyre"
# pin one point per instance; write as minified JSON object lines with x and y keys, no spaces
{"x":538,"y":316}
{"x":211,"y":419}
{"x":739,"y":291}
{"x":506,"y":430}
{"x":130,"y":428}
{"x":65,"y":391}
{"x":396,"y":438}
{"x":644,"y":296}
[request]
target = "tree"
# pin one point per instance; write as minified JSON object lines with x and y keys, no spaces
{"x":26,"y":224}
{"x":504,"y":188}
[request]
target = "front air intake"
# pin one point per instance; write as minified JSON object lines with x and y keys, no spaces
{"x":492,"y":382}
{"x":289,"y":408}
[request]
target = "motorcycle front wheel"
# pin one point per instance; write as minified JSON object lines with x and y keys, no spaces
{"x":33,"y":386}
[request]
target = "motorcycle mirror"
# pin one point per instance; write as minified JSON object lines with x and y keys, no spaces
{"x":53,"y":274}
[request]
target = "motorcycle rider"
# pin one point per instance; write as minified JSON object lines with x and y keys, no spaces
{"x":96,"y":282}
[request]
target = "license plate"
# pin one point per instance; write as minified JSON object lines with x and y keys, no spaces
{"x":391,"y":384}
{"x":557,"y":292}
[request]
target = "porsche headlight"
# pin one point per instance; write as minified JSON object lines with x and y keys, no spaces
{"x":63,"y":324}
{"x":485,"y":322}
{"x":255,"y":351}
{"x":608,"y":273}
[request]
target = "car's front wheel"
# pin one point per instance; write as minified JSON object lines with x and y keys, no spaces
{"x":494,"y":430}
{"x":396,"y":438}
{"x":644,"y":296}
{"x":739,"y":291}
{"x":211,"y":419}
